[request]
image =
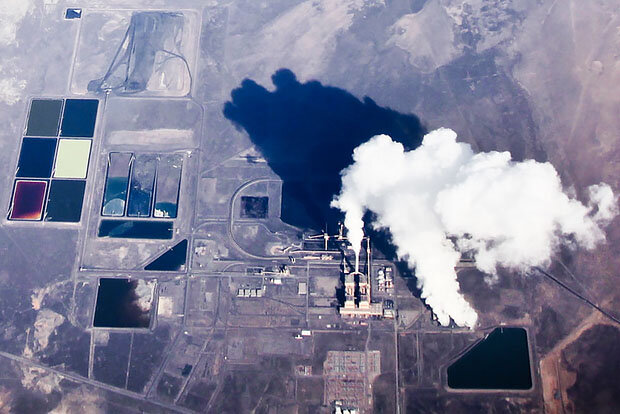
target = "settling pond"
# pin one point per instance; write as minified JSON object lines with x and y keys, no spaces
{"x":499,"y":361}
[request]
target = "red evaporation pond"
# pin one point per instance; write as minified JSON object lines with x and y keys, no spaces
{"x":28,"y":200}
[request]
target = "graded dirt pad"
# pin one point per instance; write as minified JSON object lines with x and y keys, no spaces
{"x":199,"y":395}
{"x":551,"y":324}
{"x":147,"y":353}
{"x":156,"y":47}
{"x":383,"y":341}
{"x":595,"y":361}
{"x":310,"y":391}
{"x":110,"y":363}
{"x":255,"y":387}
{"x":408,"y":359}
{"x":432,"y":401}
{"x":384,"y":394}
{"x":556,"y":379}
{"x":168,"y":387}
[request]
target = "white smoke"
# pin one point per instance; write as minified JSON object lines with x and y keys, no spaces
{"x":508,"y":213}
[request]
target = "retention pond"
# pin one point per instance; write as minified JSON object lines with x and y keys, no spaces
{"x":499,"y":361}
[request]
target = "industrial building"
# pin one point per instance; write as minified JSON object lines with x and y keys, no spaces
{"x":357,"y":288}
{"x":385,"y":280}
{"x":357,"y":284}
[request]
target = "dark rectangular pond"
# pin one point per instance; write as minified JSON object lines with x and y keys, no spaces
{"x":118,"y":305}
{"x":499,"y":361}
{"x":79,"y":118}
{"x":117,"y":181}
{"x":135,"y":229}
{"x":254,"y":207}
{"x":36,"y":158}
{"x":171,"y":260}
{"x":141,"y":185}
{"x":28,"y":200}
{"x":73,"y":13}
{"x":44,"y":117}
{"x":64,"y":202}
{"x":168,"y":183}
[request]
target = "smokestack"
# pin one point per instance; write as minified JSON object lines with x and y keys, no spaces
{"x":356,"y":249}
{"x":513,"y":214}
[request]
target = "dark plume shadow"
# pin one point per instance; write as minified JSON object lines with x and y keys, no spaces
{"x":385,"y":249}
{"x":307,"y":133}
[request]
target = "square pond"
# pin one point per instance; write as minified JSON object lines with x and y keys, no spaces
{"x":36,"y":157}
{"x":79,"y":118}
{"x":72,"y":158}
{"x":119,"y":305}
{"x":44,"y":117}
{"x":64,"y":202}
{"x":28,"y":200}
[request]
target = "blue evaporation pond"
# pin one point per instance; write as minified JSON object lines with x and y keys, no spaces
{"x":172,"y":260}
{"x":65,"y":201}
{"x":73,"y":14}
{"x":36,"y":158}
{"x":135,"y":229}
{"x":44,"y":117}
{"x":79,"y":118}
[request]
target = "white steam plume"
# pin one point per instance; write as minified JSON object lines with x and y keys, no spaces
{"x":508,"y":213}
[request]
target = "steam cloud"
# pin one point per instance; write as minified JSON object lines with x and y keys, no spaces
{"x":441,"y":199}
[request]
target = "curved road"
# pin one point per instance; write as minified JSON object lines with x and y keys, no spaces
{"x":231,"y":219}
